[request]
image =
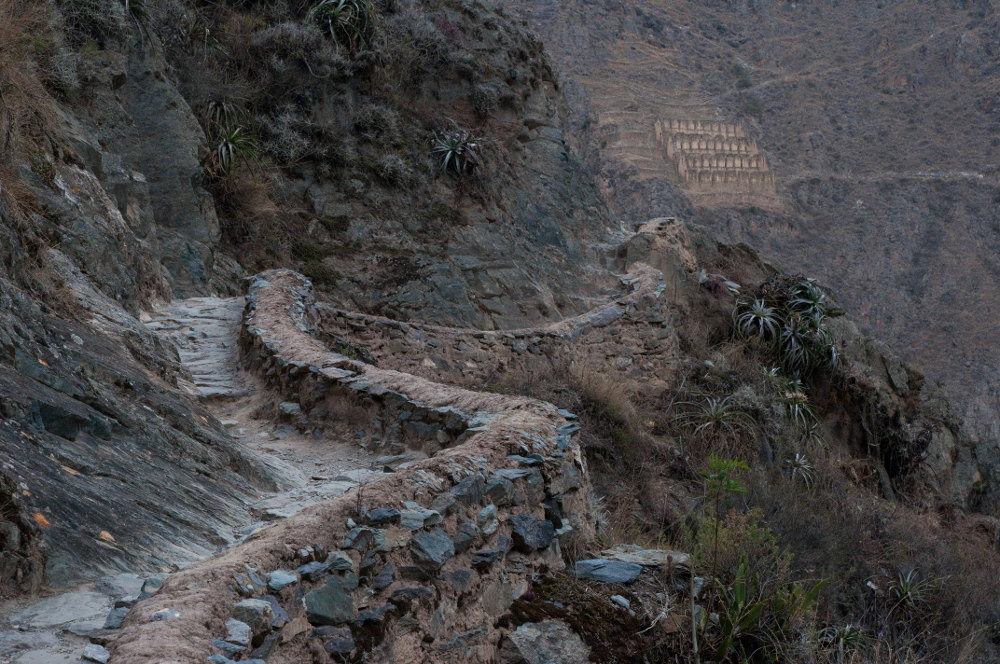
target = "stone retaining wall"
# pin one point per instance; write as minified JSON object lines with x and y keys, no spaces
{"x":416,"y":566}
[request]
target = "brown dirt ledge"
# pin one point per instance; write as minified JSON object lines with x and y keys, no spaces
{"x":446,"y":625}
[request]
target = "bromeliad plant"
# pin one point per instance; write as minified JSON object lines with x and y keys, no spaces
{"x":795,"y":322}
{"x":230,"y":129}
{"x":349,"y":22}
{"x":458,"y":150}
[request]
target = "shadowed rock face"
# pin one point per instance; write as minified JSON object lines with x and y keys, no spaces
{"x":93,"y":441}
{"x":168,"y":154}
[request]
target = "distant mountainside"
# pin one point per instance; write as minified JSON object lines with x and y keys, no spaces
{"x":880,"y":122}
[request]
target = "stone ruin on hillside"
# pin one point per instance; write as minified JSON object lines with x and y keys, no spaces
{"x":717,"y":162}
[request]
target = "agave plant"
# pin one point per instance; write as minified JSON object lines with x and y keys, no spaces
{"x":805,"y":343}
{"x":351,"y":22}
{"x":458,"y":150}
{"x":799,"y":410}
{"x":755,"y":318}
{"x":716,"y":417}
{"x":224,"y":115}
{"x":800,"y":467}
{"x":808,"y":299}
{"x":908,"y":589}
{"x":230,"y":129}
{"x":812,"y":436}
{"x":236,"y":147}
{"x":844,"y":639}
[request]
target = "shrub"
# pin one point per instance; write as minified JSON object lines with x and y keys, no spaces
{"x":753,"y":105}
{"x":287,"y":137}
{"x":742,"y":77}
{"x":378,"y":124}
{"x":484,"y":100}
{"x":28,"y":42}
{"x":392,"y":169}
{"x":102,"y":21}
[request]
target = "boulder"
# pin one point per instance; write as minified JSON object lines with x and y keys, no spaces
{"x":341,"y":643}
{"x":500,"y":491}
{"x":116,"y":617}
{"x":93,"y":652}
{"x":468,"y":535}
{"x":281,"y":617}
{"x":548,"y":642}
{"x":487,"y":520}
{"x":530,"y":534}
{"x":280,"y":578}
{"x":313,"y":571}
{"x":469,"y":491}
{"x":238,"y":633}
{"x":338,"y":560}
{"x":460,"y":579}
{"x":384,"y":516}
{"x":389,"y":539}
{"x":359,"y":538}
{"x":384,"y":578}
{"x":256,"y":613}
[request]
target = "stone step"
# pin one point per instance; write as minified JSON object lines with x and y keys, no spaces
{"x":205,"y":331}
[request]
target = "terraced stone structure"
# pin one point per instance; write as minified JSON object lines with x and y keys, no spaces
{"x":717,"y":162}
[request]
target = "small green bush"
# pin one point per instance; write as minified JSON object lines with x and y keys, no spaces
{"x":742,"y":77}
{"x":753,"y":105}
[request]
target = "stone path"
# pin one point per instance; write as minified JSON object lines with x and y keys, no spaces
{"x":205,"y":330}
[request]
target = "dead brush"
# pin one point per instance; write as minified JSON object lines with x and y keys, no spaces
{"x":17,"y":197}
{"x":609,"y":401}
{"x":27,"y":35}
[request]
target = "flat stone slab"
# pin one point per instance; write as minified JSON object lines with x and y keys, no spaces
{"x":628,"y":553}
{"x":56,"y":654}
{"x":79,"y":611}
{"x":606,"y":571}
{"x":12,"y":641}
{"x":120,"y":585}
{"x":205,"y":331}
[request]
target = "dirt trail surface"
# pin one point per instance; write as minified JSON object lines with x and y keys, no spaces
{"x":206,"y":332}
